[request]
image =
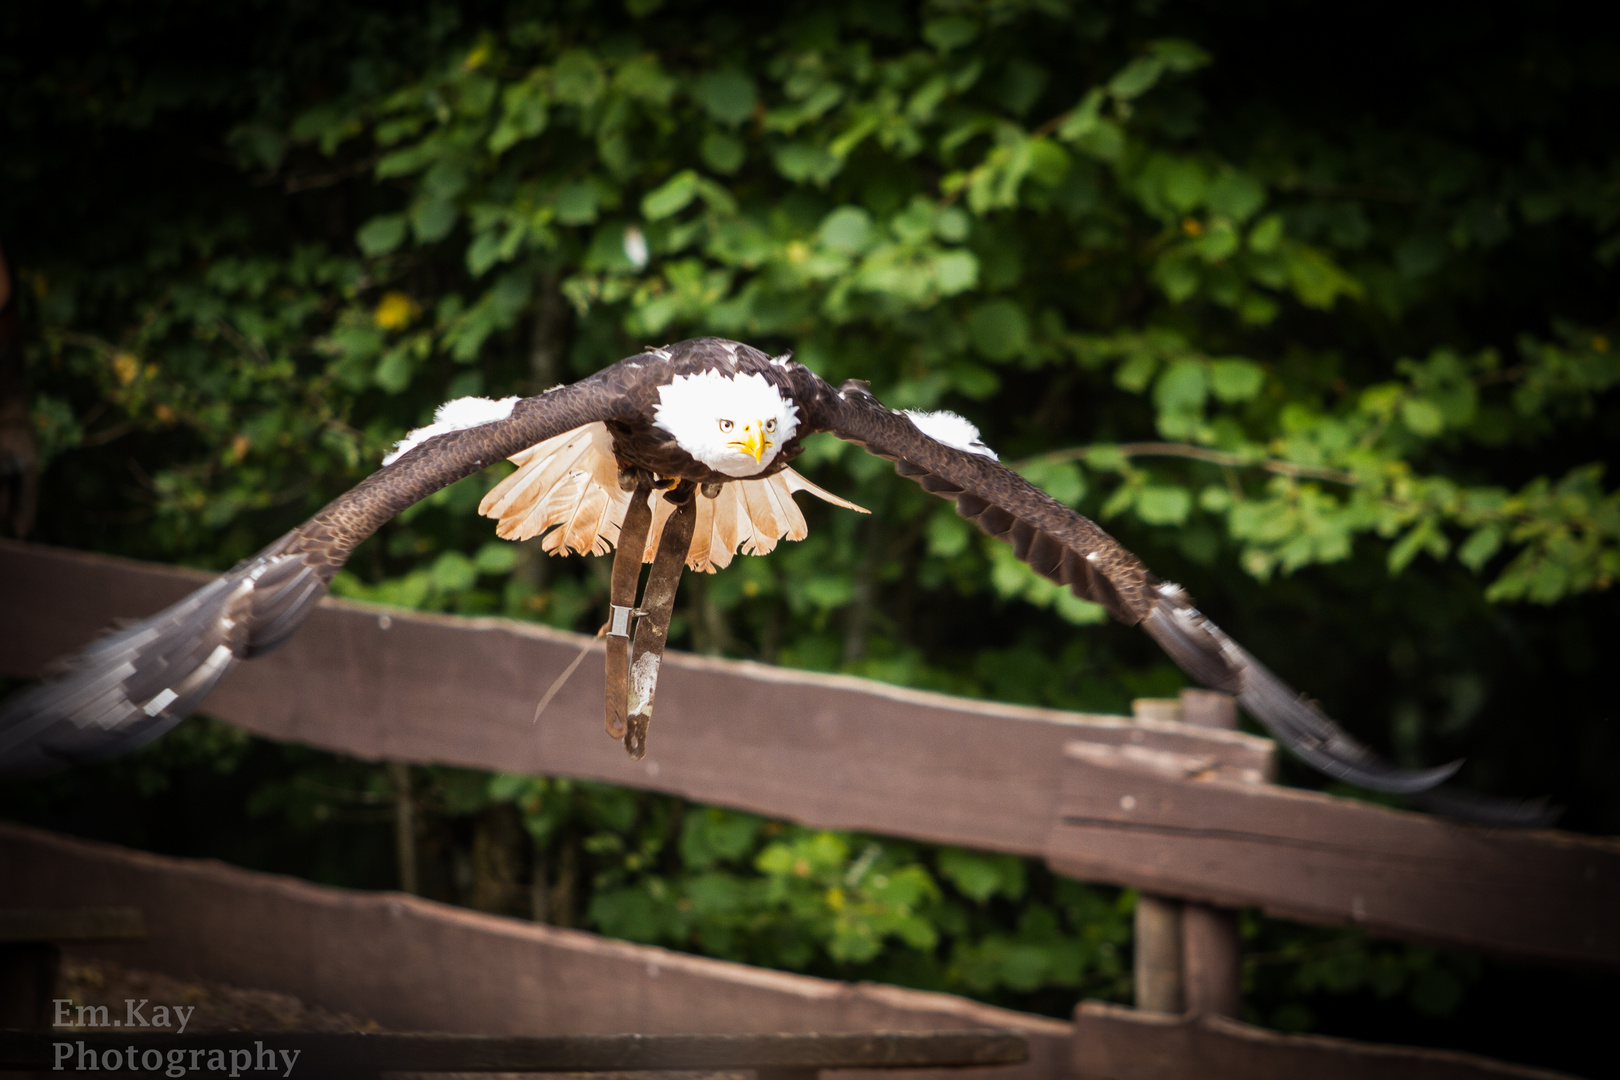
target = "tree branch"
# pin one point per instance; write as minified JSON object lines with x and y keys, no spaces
{"x":1213,"y":457}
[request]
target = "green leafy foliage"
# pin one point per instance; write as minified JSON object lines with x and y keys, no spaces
{"x":1338,"y":352}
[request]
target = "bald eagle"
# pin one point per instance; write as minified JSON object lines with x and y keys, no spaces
{"x":677,"y":455}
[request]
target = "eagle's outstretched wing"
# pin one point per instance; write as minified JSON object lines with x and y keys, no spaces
{"x":131,"y":686}
{"x":1067,"y":548}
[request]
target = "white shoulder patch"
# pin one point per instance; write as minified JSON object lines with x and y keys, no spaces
{"x":952,"y":430}
{"x":457,"y":415}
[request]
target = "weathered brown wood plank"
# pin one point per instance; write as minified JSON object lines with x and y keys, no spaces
{"x":385,"y":684}
{"x":1114,"y":1043}
{"x":382,"y":684}
{"x":414,"y":965}
{"x":62,"y":925}
{"x":1157,"y":823}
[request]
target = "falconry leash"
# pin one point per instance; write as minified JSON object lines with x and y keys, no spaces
{"x":632,"y":663}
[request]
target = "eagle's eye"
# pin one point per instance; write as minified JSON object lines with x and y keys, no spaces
{"x":770,"y":425}
{"x":726,"y":425}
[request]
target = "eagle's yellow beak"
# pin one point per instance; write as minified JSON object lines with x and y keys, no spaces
{"x":753,"y":441}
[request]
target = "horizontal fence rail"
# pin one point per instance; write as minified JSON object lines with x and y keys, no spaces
{"x":1154,"y":819}
{"x":1115,"y":1043}
{"x":411,"y":964}
{"x":384,"y":684}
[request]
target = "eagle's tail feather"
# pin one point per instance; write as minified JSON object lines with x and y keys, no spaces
{"x":566,"y":490}
{"x":731,"y":526}
{"x":792,"y":481}
{"x":767,"y":516}
{"x":705,"y":545}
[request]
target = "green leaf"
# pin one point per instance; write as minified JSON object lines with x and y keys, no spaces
{"x":645,"y":80}
{"x":1316,"y":280}
{"x":948,"y":535}
{"x":727,"y":95}
{"x":1219,"y":242}
{"x":1079,"y":612}
{"x":1425,"y":536}
{"x":523,"y":116}
{"x":1179,"y":54}
{"x":1083,"y":119}
{"x":955,"y":272}
{"x":483,"y":253}
{"x":710,"y":835}
{"x":949,"y":32}
{"x":671,"y":197}
{"x":1185,"y":182}
{"x":1235,"y":380}
{"x":1422,"y":417}
{"x":496,"y":557}
{"x":801,"y":162}
{"x":1105,"y":141}
{"x":1178,"y":277}
{"x":1163,"y":505}
{"x":1215,"y":498}
{"x":577,"y":204}
{"x":721,"y":152}
{"x":381,"y":235}
{"x":1236,"y":195}
{"x":999,"y":329}
{"x":952,"y":225}
{"x":847,"y":229}
{"x":1479,"y":548}
{"x":1266,"y":234}
{"x":981,"y":876}
{"x":577,"y":79}
{"x":445,"y":179}
{"x":394,"y":371}
{"x":432,"y":220}
{"x":1182,"y":387}
{"x":1136,"y":78}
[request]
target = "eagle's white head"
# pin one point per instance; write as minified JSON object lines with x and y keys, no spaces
{"x":732,"y":423}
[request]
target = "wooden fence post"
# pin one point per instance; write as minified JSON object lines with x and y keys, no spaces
{"x":1158,"y":954}
{"x":1157,"y":932}
{"x":1157,"y":935}
{"x":1189,"y":956}
{"x":1212,"y":950}
{"x":404,"y":826}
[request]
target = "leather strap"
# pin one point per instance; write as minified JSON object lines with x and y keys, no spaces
{"x":658,"y":605}
{"x":622,"y":597}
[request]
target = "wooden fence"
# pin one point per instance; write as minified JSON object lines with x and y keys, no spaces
{"x":415,"y":965}
{"x":1176,"y":809}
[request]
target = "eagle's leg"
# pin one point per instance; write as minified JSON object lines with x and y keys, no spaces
{"x":657,"y":605}
{"x":622,"y":597}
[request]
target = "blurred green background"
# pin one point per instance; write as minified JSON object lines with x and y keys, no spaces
{"x":1314,"y":308}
